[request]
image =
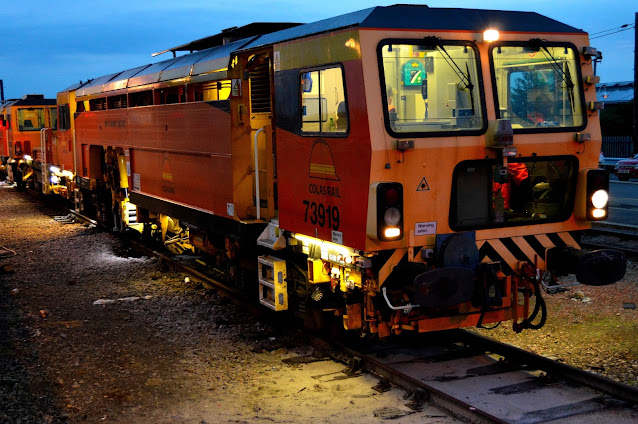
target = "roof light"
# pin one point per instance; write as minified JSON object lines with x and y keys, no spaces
{"x":490,"y":35}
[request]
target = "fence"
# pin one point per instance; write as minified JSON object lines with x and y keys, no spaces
{"x":617,"y":147}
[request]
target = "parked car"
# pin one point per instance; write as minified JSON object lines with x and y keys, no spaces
{"x":627,"y":168}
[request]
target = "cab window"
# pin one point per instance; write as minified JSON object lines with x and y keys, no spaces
{"x":54,"y":118}
{"x":528,"y":191}
{"x":323,"y":101}
{"x":31,"y":119}
{"x":430,"y":87}
{"x":537,"y":86}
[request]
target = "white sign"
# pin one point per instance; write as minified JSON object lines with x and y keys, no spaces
{"x":424,"y":228}
{"x":337,"y":237}
{"x":236,"y":87}
{"x":136,"y":182}
{"x":230,"y":209}
{"x":277,"y":61}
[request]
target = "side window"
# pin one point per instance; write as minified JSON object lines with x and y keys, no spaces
{"x":323,"y":101}
{"x":64,"y":117}
{"x":31,"y":119}
{"x":54,"y":118}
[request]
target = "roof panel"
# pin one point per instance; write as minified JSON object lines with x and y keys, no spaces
{"x":152,"y":73}
{"x":121,"y":80}
{"x":330,"y":24}
{"x":425,"y":18}
{"x":217,"y":57}
{"x":183,"y":68}
{"x":95,"y":85}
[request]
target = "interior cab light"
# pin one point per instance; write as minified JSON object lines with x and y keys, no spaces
{"x":491,"y":35}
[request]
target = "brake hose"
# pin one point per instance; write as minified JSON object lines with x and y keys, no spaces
{"x":539,"y":306}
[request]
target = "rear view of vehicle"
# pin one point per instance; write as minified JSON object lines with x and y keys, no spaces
{"x":28,"y":125}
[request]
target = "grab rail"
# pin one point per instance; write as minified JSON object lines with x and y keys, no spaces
{"x":257,"y":199}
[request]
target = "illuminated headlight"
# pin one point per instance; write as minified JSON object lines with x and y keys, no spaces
{"x":55,"y":179}
{"x":599,"y":213}
{"x":27,"y":157}
{"x":54,"y":169}
{"x":490,"y":35}
{"x":67,"y":174}
{"x":385,"y":219}
{"x":599,"y":199}
{"x":392,"y":232}
{"x":592,"y":198}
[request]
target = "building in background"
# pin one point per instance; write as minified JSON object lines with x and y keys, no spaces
{"x":616,"y":118}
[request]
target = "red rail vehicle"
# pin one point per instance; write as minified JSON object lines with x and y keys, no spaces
{"x":26,"y":125}
{"x":396,"y":168}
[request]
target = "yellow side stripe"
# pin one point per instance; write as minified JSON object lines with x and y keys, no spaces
{"x":569,"y":240}
{"x":504,"y":253}
{"x":529,"y":252}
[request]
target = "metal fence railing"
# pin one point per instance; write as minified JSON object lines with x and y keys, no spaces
{"x":617,"y":146}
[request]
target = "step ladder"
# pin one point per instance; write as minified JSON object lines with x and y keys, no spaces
{"x":273,"y":288}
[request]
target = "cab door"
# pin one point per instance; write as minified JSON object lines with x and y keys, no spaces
{"x":253,"y":136}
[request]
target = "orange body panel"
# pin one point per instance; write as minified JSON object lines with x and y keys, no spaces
{"x":4,"y":141}
{"x":60,"y":150}
{"x":179,"y":153}
{"x":346,"y":188}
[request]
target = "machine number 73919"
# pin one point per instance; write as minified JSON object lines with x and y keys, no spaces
{"x":322,"y":215}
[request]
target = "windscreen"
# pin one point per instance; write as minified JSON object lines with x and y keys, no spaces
{"x":528,"y":191}
{"x":537,"y":86}
{"x":430,"y":87}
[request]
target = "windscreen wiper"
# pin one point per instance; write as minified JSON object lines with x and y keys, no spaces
{"x":466,"y":79}
{"x":566,"y":75}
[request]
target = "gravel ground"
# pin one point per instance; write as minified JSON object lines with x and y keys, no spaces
{"x":593,"y":328}
{"x":89,"y":334}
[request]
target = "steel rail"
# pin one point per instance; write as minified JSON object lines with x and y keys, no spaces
{"x":564,"y":371}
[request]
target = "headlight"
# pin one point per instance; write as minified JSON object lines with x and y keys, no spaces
{"x":392,"y":217}
{"x":599,"y":199}
{"x":385,"y":211}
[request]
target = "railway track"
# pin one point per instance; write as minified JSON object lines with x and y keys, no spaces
{"x":479,"y":380}
{"x":476,"y":379}
{"x":473,"y":378}
{"x":620,"y":238}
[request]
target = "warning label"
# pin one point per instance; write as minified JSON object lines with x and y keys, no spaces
{"x":423,"y":185}
{"x":236,"y":87}
{"x":425,"y":228}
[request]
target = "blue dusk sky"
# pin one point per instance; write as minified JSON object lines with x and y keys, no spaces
{"x":50,"y":45}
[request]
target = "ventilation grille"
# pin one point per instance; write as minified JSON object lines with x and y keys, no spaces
{"x":260,"y":88}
